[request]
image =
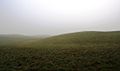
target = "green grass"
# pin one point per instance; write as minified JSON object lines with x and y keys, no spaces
{"x":17,"y":40}
{"x":82,"y":51}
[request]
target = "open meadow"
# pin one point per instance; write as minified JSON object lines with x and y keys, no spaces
{"x":82,"y":51}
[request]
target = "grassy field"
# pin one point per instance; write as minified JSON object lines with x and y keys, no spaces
{"x":82,"y":51}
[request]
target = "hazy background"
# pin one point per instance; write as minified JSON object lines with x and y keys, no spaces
{"x":48,"y":17}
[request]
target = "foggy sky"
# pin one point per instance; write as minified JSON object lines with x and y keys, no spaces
{"x":44,"y":17}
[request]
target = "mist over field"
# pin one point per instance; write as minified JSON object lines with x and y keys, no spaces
{"x":59,"y":35}
{"x":49,"y":17}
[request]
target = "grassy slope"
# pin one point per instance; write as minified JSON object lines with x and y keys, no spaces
{"x":81,"y":39}
{"x":85,"y":51}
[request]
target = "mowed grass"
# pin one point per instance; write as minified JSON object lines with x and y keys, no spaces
{"x":82,"y":51}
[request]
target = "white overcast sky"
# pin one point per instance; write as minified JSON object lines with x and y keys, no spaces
{"x":43,"y":17}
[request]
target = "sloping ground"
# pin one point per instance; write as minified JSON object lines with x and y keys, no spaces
{"x":83,"y":51}
{"x":81,"y":38}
